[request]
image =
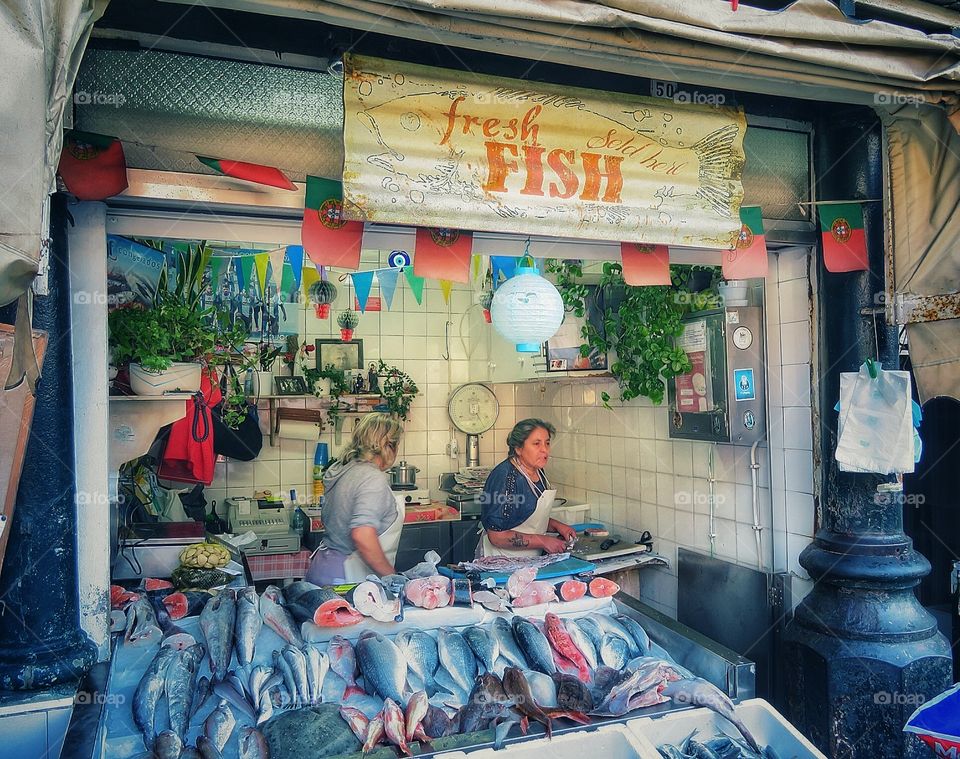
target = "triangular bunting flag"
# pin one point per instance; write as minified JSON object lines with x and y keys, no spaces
{"x":295,"y":257}
{"x":415,"y":282}
{"x":475,"y":268}
{"x":327,"y":237}
{"x":260,"y":261}
{"x":445,"y":287}
{"x":250,"y":172}
{"x":388,"y":284}
{"x":217,"y":266}
{"x":276,"y":264}
{"x":844,"y":238}
{"x":289,"y":283}
{"x":362,"y":280}
{"x":502,"y":264}
{"x":92,"y":166}
{"x":309,"y":275}
{"x":749,"y":257}
{"x":244,"y":266}
{"x":443,"y":254}
{"x":644,"y":264}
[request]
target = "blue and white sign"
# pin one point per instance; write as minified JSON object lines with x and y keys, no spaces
{"x":743,"y":384}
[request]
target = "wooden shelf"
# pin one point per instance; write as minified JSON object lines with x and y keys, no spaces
{"x":317,"y":414}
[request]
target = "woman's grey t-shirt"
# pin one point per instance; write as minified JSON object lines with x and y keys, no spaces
{"x":356,"y":494}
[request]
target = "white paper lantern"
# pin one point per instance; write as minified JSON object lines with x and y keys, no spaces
{"x":527,"y":310}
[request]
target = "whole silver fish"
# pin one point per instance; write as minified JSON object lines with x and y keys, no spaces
{"x":204,"y":689}
{"x":190,"y":752}
{"x":297,"y":661}
{"x":613,"y":651}
{"x":317,"y":666}
{"x":343,"y":662}
{"x":638,"y":634}
{"x":611,"y":626}
{"x":258,"y":676}
{"x":148,"y":694}
{"x":582,"y":642}
{"x":484,"y":646}
{"x":420,"y":650}
{"x":217,"y":622}
{"x":535,"y":645}
{"x":277,"y":617}
{"x":229,"y":692}
{"x":142,"y":625}
{"x":181,"y":687}
{"x":219,"y":725}
{"x":394,"y":725}
{"x":507,"y":643}
{"x":383,"y":666}
{"x":248,"y":624}
{"x":457,"y":658}
{"x":252,"y":744}
{"x":208,"y":749}
{"x":169,"y":745}
{"x":591,"y":629}
{"x":698,"y":692}
{"x":281,"y":664}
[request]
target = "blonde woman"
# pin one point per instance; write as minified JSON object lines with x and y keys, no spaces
{"x":361,"y":516}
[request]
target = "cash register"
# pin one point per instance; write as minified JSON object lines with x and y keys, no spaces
{"x":268,"y":519}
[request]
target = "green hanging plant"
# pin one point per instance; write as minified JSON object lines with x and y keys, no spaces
{"x":397,"y":389}
{"x":641,"y":328}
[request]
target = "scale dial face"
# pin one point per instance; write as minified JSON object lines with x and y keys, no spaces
{"x":473,"y":408}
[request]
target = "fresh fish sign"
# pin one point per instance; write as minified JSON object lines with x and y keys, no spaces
{"x":428,"y":145}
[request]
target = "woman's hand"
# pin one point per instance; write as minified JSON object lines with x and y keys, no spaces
{"x":550,"y":544}
{"x":565,"y":531}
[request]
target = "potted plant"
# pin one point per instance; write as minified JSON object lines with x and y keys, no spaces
{"x":322,"y":293}
{"x":167,"y":343}
{"x":397,"y":389}
{"x":486,"y":298}
{"x":266,"y":357}
{"x":347,"y":321}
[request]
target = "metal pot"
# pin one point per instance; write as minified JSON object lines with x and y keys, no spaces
{"x":403,"y":475}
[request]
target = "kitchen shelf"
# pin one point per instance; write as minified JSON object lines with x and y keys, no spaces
{"x":135,"y":421}
{"x":315,"y":414}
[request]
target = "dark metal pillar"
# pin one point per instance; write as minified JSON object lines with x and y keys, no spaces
{"x":41,"y":642}
{"x":861,"y":652}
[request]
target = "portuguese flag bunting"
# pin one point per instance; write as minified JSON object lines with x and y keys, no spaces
{"x":443,"y":253}
{"x":251,"y":172}
{"x":749,"y":256}
{"x":92,"y":166}
{"x":645,"y":264}
{"x":844,"y":238}
{"x":328,"y":238}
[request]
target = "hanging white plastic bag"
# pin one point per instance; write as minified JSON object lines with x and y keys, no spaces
{"x":876,"y":422}
{"x":426,"y":568}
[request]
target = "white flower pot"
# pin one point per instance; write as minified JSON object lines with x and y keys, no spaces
{"x":262,"y":383}
{"x":180,"y":377}
{"x":321,"y":387}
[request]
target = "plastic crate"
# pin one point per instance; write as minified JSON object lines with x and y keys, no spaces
{"x":609,"y":741}
{"x":764,"y":722}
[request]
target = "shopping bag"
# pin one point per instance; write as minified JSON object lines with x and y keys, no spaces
{"x":937,"y":723}
{"x":876,"y":422}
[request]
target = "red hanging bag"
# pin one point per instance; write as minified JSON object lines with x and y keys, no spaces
{"x":189,"y":456}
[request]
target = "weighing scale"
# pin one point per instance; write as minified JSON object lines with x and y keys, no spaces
{"x":473,"y":409}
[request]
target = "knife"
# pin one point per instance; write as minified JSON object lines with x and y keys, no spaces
{"x":609,"y":542}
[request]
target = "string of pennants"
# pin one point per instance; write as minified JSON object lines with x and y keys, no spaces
{"x":330,"y":240}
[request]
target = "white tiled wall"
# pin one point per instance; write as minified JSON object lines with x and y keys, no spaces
{"x":412,"y":337}
{"x":623,"y":462}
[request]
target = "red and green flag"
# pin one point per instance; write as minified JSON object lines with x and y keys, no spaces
{"x":443,"y":253}
{"x":844,"y":238}
{"x":328,"y":238}
{"x":645,"y":264}
{"x":250,"y":172}
{"x":748,"y":257}
{"x":92,"y":166}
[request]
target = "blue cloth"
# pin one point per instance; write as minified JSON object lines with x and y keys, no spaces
{"x":508,"y":499}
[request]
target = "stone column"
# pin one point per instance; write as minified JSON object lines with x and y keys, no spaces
{"x":41,"y":642}
{"x":860,"y":652}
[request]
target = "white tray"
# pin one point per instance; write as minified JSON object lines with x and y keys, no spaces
{"x":609,"y":741}
{"x":764,"y":722}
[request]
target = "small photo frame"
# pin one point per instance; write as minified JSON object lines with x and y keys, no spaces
{"x":290,"y":385}
{"x":346,"y":355}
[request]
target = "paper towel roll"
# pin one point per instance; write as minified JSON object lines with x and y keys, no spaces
{"x":295,"y":429}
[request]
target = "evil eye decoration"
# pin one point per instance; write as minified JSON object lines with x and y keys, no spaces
{"x":398,"y":259}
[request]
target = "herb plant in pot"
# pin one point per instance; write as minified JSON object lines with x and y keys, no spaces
{"x":263,"y":375}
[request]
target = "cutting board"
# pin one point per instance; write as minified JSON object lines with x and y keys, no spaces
{"x":570,"y":566}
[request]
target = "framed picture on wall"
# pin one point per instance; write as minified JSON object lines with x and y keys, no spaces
{"x":290,"y":385}
{"x":563,"y":349}
{"x":346,"y":355}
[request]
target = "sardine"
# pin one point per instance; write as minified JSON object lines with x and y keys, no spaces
{"x":582,"y":642}
{"x":535,"y":645}
{"x":393,"y":725}
{"x":219,"y":725}
{"x":297,"y":661}
{"x":457,"y":658}
{"x":374,"y":733}
{"x":357,"y":721}
{"x":180,"y":687}
{"x":638,"y":634}
{"x":142,"y":625}
{"x":217,"y":621}
{"x":699,"y":692}
{"x":208,"y":749}
{"x":277,"y":617}
{"x":415,"y":711}
{"x":248,"y":624}
{"x":169,"y":745}
{"x":507,"y":643}
{"x":484,"y":646}
{"x":383,"y":666}
{"x":258,"y":677}
{"x":252,"y":744}
{"x":343,"y":662}
{"x":420,"y":651}
{"x":148,"y":694}
{"x":317,"y":665}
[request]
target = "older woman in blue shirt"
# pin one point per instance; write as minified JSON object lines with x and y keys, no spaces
{"x":518,"y":498}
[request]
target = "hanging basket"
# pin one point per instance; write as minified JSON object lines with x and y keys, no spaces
{"x":322,"y":293}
